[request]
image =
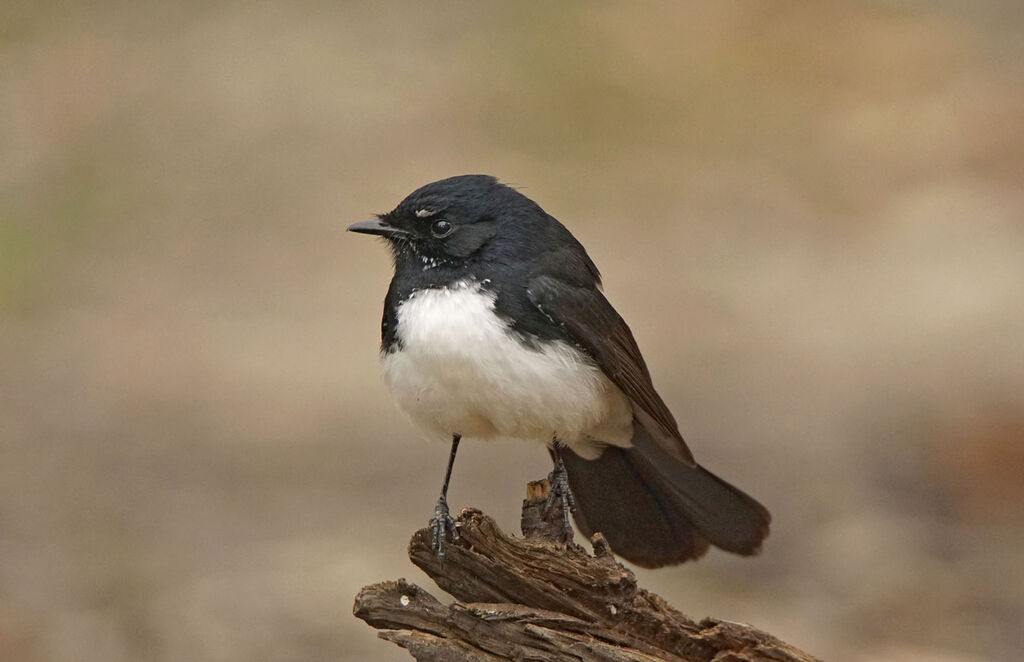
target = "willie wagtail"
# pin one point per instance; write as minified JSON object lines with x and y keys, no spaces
{"x":495,"y":326}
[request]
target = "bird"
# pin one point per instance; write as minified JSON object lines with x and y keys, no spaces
{"x":495,"y":326}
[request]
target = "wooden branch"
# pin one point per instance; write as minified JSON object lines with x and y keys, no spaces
{"x":545,"y":600}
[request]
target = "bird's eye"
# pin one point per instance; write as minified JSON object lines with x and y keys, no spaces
{"x":441,"y":228}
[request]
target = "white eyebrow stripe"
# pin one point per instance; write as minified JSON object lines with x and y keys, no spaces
{"x":424,"y":213}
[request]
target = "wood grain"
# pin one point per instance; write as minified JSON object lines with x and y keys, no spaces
{"x":535,"y":598}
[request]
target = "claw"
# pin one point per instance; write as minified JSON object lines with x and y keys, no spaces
{"x":442,"y":528}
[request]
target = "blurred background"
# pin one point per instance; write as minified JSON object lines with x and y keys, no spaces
{"x":810,"y":213}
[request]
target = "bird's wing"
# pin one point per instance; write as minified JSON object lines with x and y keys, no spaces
{"x":594,"y":325}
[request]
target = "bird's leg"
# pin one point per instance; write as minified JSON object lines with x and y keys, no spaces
{"x":442,"y":525}
{"x":560,"y":492}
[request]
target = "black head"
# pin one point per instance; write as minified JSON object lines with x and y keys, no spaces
{"x":468,"y":220}
{"x":448,"y":220}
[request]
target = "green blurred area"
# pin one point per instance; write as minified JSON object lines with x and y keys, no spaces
{"x":810,"y":214}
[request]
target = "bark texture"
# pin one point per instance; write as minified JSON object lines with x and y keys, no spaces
{"x":540,"y":599}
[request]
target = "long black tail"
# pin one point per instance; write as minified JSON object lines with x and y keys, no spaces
{"x":655,"y":511}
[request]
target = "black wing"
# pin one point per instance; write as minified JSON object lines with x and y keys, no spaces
{"x":587,"y":317}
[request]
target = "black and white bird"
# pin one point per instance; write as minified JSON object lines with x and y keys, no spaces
{"x":495,"y":326}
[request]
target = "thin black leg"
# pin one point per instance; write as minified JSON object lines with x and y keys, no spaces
{"x":456,"y":438}
{"x":442,"y":524}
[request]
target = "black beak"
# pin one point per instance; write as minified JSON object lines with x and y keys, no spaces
{"x":376,"y":226}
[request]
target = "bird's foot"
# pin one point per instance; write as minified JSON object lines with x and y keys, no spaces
{"x":561,"y":496}
{"x":442,"y":528}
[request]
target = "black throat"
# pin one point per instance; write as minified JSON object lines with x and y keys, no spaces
{"x":506,"y":283}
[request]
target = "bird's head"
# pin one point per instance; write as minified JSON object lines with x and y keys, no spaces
{"x":451,"y":221}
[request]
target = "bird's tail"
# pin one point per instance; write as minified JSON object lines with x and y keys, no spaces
{"x":655,"y":510}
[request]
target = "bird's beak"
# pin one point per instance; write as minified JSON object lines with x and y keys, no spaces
{"x":376,"y":226}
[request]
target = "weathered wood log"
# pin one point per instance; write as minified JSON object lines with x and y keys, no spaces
{"x":547,"y":600}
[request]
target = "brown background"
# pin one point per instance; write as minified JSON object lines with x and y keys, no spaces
{"x":810,"y":213}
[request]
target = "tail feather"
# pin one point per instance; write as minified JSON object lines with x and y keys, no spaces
{"x":655,"y":510}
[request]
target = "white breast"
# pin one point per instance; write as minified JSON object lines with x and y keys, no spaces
{"x":460,"y":370}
